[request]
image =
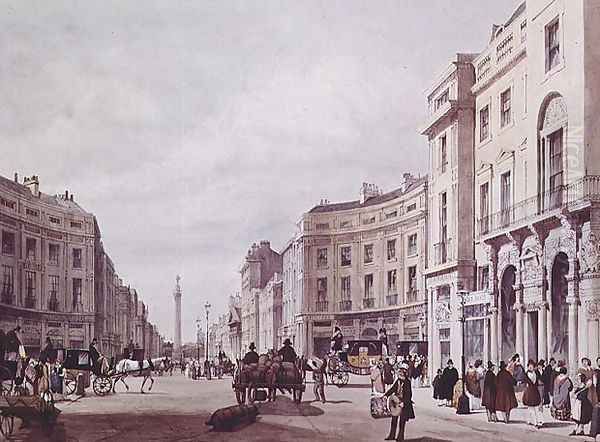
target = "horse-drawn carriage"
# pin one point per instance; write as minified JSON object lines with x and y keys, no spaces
{"x":78,"y":362}
{"x":357,"y":359}
{"x":27,"y":402}
{"x":259,"y":382}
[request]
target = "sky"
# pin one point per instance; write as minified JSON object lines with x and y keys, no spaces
{"x":192,"y":129}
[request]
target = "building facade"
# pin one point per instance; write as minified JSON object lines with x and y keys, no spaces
{"x":362,"y":268}
{"x":269,"y":309}
{"x":293,"y":279}
{"x":234,"y":323}
{"x":450,"y":257}
{"x":57,"y":279}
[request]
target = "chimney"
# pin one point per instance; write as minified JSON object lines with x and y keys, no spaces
{"x":368,"y":191}
{"x":71,"y":197}
{"x":66,"y":195}
{"x":33,"y":184}
{"x":16,"y":177}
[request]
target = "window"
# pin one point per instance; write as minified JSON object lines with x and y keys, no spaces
{"x":369,"y":220}
{"x":321,"y":294}
{"x":523,"y":31}
{"x":345,"y":224}
{"x":53,"y":252}
{"x":484,"y":123}
{"x":76,"y":258}
{"x":443,"y":217}
{"x":368,"y":253}
{"x":322,"y":226}
{"x":484,"y":278}
{"x":53,"y":293}
{"x":412,"y":279}
{"x":32,"y":212}
{"x":6,"y":203}
{"x":391,"y":280}
{"x":505,"y":114}
{"x":411,"y":207}
{"x":321,"y":258}
{"x":77,"y":301}
{"x":443,"y":153}
{"x":346,"y":255}
{"x":30,"y":289}
{"x":412,"y":244}
{"x":346,"y":290}
{"x":30,"y":246}
{"x":555,"y":143}
{"x":391,"y":249}
{"x":54,"y":220}
{"x":391,"y":214}
{"x":552,"y":45}
{"x":442,"y":99}
{"x":8,"y":284}
{"x":369,"y":286}
{"x":8,"y":243}
{"x":505,"y":198}
{"x":484,"y":207}
{"x":76,"y":224}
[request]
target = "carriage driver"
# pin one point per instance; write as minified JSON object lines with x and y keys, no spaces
{"x":287,"y":352}
{"x":251,"y":357}
{"x":94,"y":356}
{"x":337,"y":340}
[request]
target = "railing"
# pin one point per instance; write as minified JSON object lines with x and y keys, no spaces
{"x":345,"y":306}
{"x":368,"y":302}
{"x":392,"y":299}
{"x":585,"y":189}
{"x":7,"y":297}
{"x":412,"y":296}
{"x":322,"y":306}
{"x":443,"y":252}
{"x":29,"y":302}
{"x":53,"y":304}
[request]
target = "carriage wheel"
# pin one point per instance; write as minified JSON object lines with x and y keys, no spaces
{"x":102,"y":385}
{"x":70,"y":383}
{"x":251,"y":395}
{"x":340,"y":379}
{"x":7,"y":425}
{"x":240,"y":395}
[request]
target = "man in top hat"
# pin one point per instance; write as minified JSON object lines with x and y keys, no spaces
{"x":337,"y":340}
{"x":488,"y":393}
{"x":251,"y":357}
{"x":287,"y":352}
{"x":94,"y":356}
{"x":400,"y":399}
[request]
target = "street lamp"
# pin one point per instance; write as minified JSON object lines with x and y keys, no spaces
{"x":463,"y":400}
{"x":206,"y":362}
{"x":198,"y":336}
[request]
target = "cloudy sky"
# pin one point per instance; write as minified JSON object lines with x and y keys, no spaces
{"x":193,"y":128}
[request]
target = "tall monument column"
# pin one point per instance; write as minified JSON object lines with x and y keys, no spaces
{"x":177,"y":296}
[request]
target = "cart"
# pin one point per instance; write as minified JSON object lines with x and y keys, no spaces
{"x":257,"y":391}
{"x":78,"y":361}
{"x":357,"y":359}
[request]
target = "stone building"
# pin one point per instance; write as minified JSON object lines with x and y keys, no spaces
{"x":260,"y":264}
{"x":362,"y":268}
{"x":269,"y":308}
{"x":293,"y":278}
{"x":234,"y":322}
{"x":450,"y":262}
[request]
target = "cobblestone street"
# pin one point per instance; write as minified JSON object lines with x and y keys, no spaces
{"x":177,"y":409}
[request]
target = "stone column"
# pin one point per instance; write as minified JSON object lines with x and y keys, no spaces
{"x":593,"y":339}
{"x":542,"y":334}
{"x":401,"y":318}
{"x":573,"y":338}
{"x":494,"y":357}
{"x":519,"y":338}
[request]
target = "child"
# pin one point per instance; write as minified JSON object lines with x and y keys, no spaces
{"x":319,"y":380}
{"x":436,"y":388}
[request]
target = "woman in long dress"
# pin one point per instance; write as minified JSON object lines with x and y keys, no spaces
{"x":532,"y":397}
{"x":561,"y":402}
{"x":582,"y":408}
{"x":505,"y":392}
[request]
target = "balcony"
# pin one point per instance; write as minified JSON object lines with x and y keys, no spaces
{"x":581,"y":192}
{"x":322,"y":306}
{"x":392,"y":299}
{"x":368,"y":302}
{"x":345,"y":306}
{"x":412,"y":295}
{"x":438,"y":115}
{"x":443,"y":252}
{"x":30,"y":302}
{"x":53,"y":304}
{"x":7,"y":297}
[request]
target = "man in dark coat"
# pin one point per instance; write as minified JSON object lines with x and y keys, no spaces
{"x":402,"y":390}
{"x":387,"y":373}
{"x":505,"y":392}
{"x":251,"y":357}
{"x":448,"y":381}
{"x":488,"y":395}
{"x":287,"y":352}
{"x":47,"y":354}
{"x":94,"y":356}
{"x":548,"y":376}
{"x":337,"y":340}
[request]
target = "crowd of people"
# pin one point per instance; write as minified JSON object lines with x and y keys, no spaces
{"x":537,"y":386}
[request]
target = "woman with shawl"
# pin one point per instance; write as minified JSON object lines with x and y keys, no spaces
{"x":561,"y":402}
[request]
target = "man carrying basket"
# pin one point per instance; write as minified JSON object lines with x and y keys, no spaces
{"x":400,"y":404}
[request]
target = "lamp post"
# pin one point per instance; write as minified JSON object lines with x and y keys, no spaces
{"x":198,"y":336}
{"x":463,"y":400}
{"x":206,"y":362}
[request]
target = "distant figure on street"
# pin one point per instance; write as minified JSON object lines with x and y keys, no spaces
{"x":436,"y":387}
{"x":449,"y":380}
{"x":488,"y":395}
{"x":337,"y":340}
{"x":287,"y":352}
{"x":47,"y":353}
{"x":400,"y":393}
{"x":388,"y":372}
{"x":382,"y":336}
{"x":532,"y":398}
{"x":505,"y":392}
{"x":251,"y":357}
{"x":318,"y":370}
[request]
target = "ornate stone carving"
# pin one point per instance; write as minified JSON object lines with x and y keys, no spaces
{"x":592,"y":309}
{"x":556,"y":113}
{"x":590,"y":254}
{"x":442,"y":312}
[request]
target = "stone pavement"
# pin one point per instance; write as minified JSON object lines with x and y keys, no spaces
{"x":177,"y":408}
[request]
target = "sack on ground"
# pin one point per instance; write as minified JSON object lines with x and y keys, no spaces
{"x":379,"y":407}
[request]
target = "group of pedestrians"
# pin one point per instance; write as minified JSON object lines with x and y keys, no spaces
{"x":538,"y":385}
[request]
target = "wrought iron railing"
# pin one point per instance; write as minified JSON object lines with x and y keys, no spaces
{"x":392,"y":299}
{"x":368,"y":302}
{"x":443,"y":252}
{"x":585,"y":189}
{"x":7,"y":297}
{"x":345,"y":306}
{"x":29,"y":302}
{"x":53,"y":304}
{"x":412,"y":296}
{"x":322,"y":306}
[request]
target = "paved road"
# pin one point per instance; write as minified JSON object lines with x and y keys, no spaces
{"x":177,"y":408}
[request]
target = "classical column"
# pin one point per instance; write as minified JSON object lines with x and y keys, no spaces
{"x":593,"y":339}
{"x":573,"y":341}
{"x":494,"y":335}
{"x":519,"y":338}
{"x":542,"y":335}
{"x":401,"y":318}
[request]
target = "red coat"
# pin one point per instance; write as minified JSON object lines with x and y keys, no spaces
{"x":531,"y":396}
{"x":505,"y":392}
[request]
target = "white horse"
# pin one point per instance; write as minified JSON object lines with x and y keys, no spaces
{"x":128,"y":367}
